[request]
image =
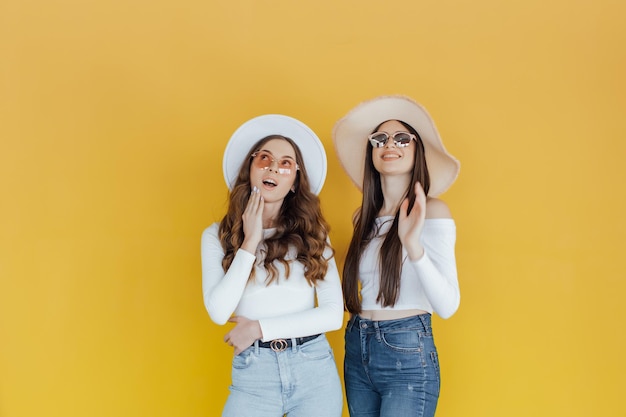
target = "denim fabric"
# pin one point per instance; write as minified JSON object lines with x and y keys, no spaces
{"x":391,"y":367}
{"x":301,"y":381}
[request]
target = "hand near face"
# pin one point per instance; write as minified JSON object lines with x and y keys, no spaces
{"x":243,"y":335}
{"x":410,"y":225}
{"x":253,"y":222}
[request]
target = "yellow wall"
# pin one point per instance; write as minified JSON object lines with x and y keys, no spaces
{"x":113,"y":119}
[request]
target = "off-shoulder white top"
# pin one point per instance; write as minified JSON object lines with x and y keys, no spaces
{"x":428,"y":284}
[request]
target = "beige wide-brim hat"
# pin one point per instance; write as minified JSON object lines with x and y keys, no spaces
{"x":350,"y":136}
{"x":249,"y":133}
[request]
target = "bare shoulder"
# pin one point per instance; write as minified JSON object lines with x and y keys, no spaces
{"x":437,"y":209}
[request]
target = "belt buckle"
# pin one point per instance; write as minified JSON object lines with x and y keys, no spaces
{"x":278,"y":345}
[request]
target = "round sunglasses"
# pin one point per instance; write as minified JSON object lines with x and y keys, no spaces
{"x":400,"y":139}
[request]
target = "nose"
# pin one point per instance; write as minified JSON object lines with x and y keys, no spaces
{"x":271,"y":165}
{"x":390,"y":143}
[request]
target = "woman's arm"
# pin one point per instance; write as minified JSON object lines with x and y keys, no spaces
{"x":436,"y":269}
{"x":222,"y":291}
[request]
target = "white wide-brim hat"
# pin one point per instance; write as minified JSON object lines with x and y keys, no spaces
{"x":240,"y":143}
{"x":350,"y":136}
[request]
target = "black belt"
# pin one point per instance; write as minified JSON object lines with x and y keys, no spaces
{"x":278,"y":345}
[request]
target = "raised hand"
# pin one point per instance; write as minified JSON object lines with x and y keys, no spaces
{"x":243,"y":335}
{"x":410,"y":225}
{"x":253,"y":222}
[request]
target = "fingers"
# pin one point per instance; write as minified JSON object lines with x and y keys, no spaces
{"x":227,"y":336}
{"x":231,"y":338}
{"x":253,"y":214}
{"x":404,"y":207}
{"x":419,"y":192}
{"x":228,"y":339}
{"x":420,"y":200}
{"x":255,"y":201}
{"x":260,"y":205}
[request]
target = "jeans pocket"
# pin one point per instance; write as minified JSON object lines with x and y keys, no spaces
{"x":316,"y":350}
{"x":244,"y":359}
{"x":403,"y":341}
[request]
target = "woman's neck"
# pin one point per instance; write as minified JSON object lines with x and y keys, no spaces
{"x":270,"y":214}
{"x":394,"y":192}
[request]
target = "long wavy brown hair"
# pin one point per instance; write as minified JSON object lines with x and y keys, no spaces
{"x":365,"y":229}
{"x":300,"y":225}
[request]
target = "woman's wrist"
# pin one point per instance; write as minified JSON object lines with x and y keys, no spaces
{"x":249,"y":247}
{"x":415,"y":254}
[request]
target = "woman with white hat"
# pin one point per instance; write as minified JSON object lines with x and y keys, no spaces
{"x":400,"y":266}
{"x":263,"y":267}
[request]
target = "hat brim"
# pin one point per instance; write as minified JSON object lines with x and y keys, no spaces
{"x":311,"y":148}
{"x":350,"y":137}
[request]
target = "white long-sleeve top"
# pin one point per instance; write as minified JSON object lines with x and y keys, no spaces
{"x":428,"y":284}
{"x":286,"y":308}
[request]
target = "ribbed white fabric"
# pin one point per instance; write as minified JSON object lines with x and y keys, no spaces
{"x":285,"y":309}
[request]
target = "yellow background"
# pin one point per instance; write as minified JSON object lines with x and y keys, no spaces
{"x":113,"y":119}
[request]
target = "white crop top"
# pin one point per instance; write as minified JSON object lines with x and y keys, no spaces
{"x":285,"y":309}
{"x":428,"y":284}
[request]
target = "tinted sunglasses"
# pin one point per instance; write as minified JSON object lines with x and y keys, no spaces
{"x":264,"y":160}
{"x":400,"y":139}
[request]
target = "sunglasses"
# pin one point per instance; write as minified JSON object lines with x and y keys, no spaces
{"x":264,"y":160}
{"x":401,"y":139}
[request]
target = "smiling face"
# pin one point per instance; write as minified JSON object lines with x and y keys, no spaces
{"x":276,"y":180}
{"x":390,"y":159}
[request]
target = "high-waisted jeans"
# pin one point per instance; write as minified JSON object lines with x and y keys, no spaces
{"x":391,"y":368}
{"x":301,"y":381}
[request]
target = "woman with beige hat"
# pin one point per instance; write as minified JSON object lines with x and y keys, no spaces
{"x":265,"y":265}
{"x":400,"y":266}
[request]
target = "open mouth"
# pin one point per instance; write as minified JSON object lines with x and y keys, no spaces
{"x":270,"y":183}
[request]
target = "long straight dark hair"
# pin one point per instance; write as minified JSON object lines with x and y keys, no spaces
{"x":365,"y":230}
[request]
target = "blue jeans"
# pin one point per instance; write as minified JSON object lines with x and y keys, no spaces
{"x":391,"y":367}
{"x":301,"y":381}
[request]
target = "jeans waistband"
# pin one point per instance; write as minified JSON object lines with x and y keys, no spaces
{"x":420,"y":321}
